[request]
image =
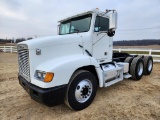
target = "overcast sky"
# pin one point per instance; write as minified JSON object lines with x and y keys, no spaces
{"x":137,"y":19}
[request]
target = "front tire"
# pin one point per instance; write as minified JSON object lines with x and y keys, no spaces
{"x":81,"y":90}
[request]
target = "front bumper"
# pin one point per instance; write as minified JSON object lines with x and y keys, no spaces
{"x":49,"y":96}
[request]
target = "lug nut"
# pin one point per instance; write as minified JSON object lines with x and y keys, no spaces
{"x":78,"y":87}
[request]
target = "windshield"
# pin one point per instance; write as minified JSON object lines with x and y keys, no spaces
{"x":76,"y":25}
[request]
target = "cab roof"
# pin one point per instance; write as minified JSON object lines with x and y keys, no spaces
{"x":81,"y":14}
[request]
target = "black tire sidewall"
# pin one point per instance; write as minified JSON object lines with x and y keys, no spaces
{"x":73,"y":103}
{"x":136,"y":69}
{"x":147,"y":72}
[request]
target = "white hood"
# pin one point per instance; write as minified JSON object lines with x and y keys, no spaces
{"x":52,"y":41}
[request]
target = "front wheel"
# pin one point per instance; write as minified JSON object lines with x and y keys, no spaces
{"x":81,"y":90}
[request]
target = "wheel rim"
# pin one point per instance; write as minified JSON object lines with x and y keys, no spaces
{"x":83,"y":91}
{"x":150,"y":65}
{"x":140,"y":69}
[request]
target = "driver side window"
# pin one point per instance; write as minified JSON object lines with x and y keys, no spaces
{"x":101,"y":24}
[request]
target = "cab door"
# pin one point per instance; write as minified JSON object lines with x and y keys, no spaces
{"x":102,"y":43}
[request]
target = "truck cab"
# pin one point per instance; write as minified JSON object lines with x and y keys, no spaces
{"x":70,"y":66}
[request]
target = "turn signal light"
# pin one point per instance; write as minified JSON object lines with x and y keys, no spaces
{"x":48,"y":77}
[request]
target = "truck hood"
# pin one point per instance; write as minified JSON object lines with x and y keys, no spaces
{"x":52,"y":41}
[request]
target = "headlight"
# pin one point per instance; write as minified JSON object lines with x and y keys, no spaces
{"x":39,"y":74}
{"x":44,"y":76}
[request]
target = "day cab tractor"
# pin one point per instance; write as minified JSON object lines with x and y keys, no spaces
{"x":71,"y":66}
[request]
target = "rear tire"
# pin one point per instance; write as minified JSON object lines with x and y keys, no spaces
{"x":148,"y":65}
{"x":81,"y":90}
{"x":136,"y":68}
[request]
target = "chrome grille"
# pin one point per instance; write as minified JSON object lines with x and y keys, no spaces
{"x":23,"y":59}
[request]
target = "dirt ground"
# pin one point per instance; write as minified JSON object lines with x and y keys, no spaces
{"x":127,"y":100}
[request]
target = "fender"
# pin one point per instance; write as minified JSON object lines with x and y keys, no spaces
{"x":98,"y":70}
{"x":63,"y":68}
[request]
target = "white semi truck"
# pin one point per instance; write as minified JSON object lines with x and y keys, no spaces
{"x":70,"y":66}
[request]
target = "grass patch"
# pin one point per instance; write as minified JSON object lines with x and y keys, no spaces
{"x":156,"y":53}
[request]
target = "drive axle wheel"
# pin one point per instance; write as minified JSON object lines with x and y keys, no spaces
{"x":81,"y":90}
{"x":148,"y":65}
{"x":136,"y":68}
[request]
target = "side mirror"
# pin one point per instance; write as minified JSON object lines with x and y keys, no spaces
{"x":110,"y":33}
{"x":113,"y":21}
